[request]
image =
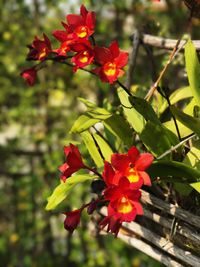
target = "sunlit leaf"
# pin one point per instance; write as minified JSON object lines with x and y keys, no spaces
{"x":119,"y":127}
{"x":104,"y":147}
{"x":196,"y":186}
{"x":193,"y":70}
{"x":63,"y":189}
{"x":92,"y":148}
{"x":83,"y":123}
{"x":133,"y":117}
{"x":189,"y":121}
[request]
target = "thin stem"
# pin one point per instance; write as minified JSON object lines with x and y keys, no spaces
{"x":94,"y":171}
{"x":173,"y":117}
{"x":173,"y":148}
{"x":124,"y":87}
{"x":172,"y":55}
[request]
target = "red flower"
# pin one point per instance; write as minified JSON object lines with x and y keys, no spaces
{"x":65,"y":39}
{"x":72,"y":219}
{"x":133,"y":165}
{"x":113,"y":224}
{"x":124,"y":201}
{"x":39,"y":49}
{"x":73,"y":162}
{"x":81,"y":25}
{"x":109,"y":175}
{"x":123,"y":205}
{"x":112,"y":60}
{"x":84,"y":55}
{"x":29,"y":75}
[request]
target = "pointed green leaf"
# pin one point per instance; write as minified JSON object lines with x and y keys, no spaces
{"x":104,"y":147}
{"x":133,"y":117}
{"x":176,"y":96}
{"x":145,"y":109}
{"x":83,"y":123}
{"x":193,"y":70}
{"x":119,"y":127}
{"x":92,"y":148}
{"x":63,"y":189}
{"x":155,"y":138}
{"x":189,"y":121}
{"x":196,"y":186}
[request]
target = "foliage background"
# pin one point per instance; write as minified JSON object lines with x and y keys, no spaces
{"x":35,"y":121}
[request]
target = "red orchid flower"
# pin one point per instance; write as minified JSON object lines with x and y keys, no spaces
{"x":123,"y":205}
{"x":65,"y":39}
{"x":72,"y":219}
{"x":133,"y":165}
{"x":81,"y":25}
{"x":73,"y":162}
{"x":111,"y":61}
{"x":84,"y":55}
{"x":39,"y":49}
{"x":124,"y":201}
{"x":29,"y":75}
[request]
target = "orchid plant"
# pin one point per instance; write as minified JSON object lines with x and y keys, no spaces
{"x":122,"y":172}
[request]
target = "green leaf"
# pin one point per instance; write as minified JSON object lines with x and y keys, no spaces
{"x":176,"y":96}
{"x":155,"y":138}
{"x":104,"y":147}
{"x":63,"y":189}
{"x":92,"y":148}
{"x":145,"y":109}
{"x":133,"y":117}
{"x":174,"y":169}
{"x":83,"y":123}
{"x":193,"y":70}
{"x":94,"y":111}
{"x":193,"y":158}
{"x":189,"y":121}
{"x":196,"y":186}
{"x":119,"y":127}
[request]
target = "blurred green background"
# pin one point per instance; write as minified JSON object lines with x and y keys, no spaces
{"x":35,"y":121}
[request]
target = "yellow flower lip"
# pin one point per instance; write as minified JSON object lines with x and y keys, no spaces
{"x":124,"y":206}
{"x":82,"y":31}
{"x":132,"y":175}
{"x":84,"y":57}
{"x":110,"y":69}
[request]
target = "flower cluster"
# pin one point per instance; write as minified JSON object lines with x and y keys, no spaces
{"x":76,"y":43}
{"x":122,"y":179}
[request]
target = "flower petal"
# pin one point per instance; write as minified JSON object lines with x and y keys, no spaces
{"x":144,"y":161}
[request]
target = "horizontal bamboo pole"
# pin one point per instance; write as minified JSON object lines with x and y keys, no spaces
{"x":164,"y":43}
{"x":147,"y":249}
{"x":167,"y":223}
{"x":171,"y":209}
{"x":163,"y":244}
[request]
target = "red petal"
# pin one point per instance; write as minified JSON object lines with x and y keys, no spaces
{"x":74,"y":20}
{"x":114,"y":49}
{"x":47,"y":41}
{"x":61,"y":36}
{"x":63,"y":167}
{"x":120,"y":161}
{"x":122,"y":60}
{"x":146,"y":178}
{"x":90,"y":20}
{"x":102,"y":55}
{"x":83,"y":11}
{"x":124,"y":184}
{"x":144,"y":161}
{"x":108,"y":173}
{"x":133,"y":154}
{"x":138,"y":208}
